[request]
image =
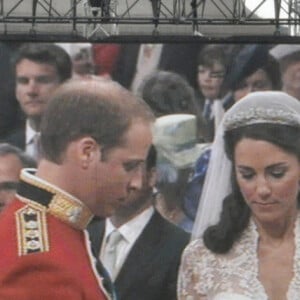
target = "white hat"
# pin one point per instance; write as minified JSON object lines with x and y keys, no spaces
{"x":283,"y":50}
{"x":175,"y":137}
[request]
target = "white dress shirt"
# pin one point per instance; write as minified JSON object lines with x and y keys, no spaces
{"x":130,"y":232}
{"x":30,"y":144}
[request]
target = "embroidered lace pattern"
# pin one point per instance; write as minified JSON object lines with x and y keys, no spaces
{"x":235,"y":273}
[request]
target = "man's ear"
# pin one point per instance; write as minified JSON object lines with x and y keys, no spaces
{"x":88,"y":151}
{"x":152,"y":177}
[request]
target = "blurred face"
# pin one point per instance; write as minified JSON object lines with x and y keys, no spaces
{"x":139,"y":197}
{"x":210,"y":80}
{"x":34,"y":83}
{"x":268,"y":178}
{"x":258,"y":81}
{"x":10,"y":167}
{"x":121,"y":171}
{"x":291,"y":79}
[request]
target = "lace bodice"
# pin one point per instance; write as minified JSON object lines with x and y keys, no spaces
{"x":231,"y":276}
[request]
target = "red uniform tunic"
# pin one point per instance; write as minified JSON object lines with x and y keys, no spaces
{"x":42,"y":257}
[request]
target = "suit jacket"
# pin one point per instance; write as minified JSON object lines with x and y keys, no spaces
{"x":150,"y":269}
{"x":45,"y":252}
{"x":17,"y":138}
{"x":179,"y":58}
{"x":10,"y":112}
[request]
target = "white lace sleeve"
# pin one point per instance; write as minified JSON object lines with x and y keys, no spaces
{"x":189,"y":282}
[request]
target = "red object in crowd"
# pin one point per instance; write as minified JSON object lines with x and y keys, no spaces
{"x":105,"y":57}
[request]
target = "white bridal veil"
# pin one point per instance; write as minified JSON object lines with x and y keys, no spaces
{"x":258,"y":107}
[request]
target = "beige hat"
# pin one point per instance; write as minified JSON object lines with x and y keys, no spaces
{"x":283,"y":50}
{"x":175,"y":137}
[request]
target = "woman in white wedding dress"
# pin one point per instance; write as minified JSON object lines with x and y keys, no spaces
{"x":247,"y":232}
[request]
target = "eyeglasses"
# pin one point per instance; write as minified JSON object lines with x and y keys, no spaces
{"x":211,"y":73}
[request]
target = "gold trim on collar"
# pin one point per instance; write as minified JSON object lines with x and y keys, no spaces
{"x":65,"y":209}
{"x":62,"y":205}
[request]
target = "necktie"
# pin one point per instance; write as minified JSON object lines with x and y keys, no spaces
{"x":207,"y":111}
{"x":110,"y":253}
{"x":107,"y":283}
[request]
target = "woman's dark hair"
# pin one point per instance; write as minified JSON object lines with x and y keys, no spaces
{"x":235,"y":214}
{"x":272,"y":70}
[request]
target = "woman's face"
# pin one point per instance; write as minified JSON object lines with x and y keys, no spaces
{"x":268,"y":178}
{"x":258,"y":81}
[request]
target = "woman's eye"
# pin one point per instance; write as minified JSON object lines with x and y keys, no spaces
{"x":277,"y":174}
{"x":247,"y":175}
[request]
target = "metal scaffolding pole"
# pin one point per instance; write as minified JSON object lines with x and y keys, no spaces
{"x":195,"y":14}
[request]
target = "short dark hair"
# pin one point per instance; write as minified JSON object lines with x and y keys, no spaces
{"x":45,"y":53}
{"x":151,"y":158}
{"x":211,"y":54}
{"x":235,"y":214}
{"x":102,"y":109}
{"x":168,"y":93}
{"x":26,"y":160}
{"x":272,"y":69}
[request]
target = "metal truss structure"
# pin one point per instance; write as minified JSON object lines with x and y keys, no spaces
{"x":147,"y":17}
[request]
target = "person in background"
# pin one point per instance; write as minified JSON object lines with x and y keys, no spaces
{"x":12,"y":161}
{"x":253,"y":69}
{"x":288,"y":56}
{"x":95,"y":137}
{"x":246,"y":236}
{"x":39,"y":69}
{"x":169,"y":93}
{"x":147,"y":241}
{"x":212,"y":64}
{"x":10,"y":113}
{"x":175,"y":137}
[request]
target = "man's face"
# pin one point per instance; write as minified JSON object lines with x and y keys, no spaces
{"x":34,"y":83}
{"x":210,"y":80}
{"x":120,"y":171}
{"x":10,"y":167}
{"x":139,"y":197}
{"x":291,"y":79}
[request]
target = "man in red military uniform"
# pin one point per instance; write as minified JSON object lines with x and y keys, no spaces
{"x":95,"y":136}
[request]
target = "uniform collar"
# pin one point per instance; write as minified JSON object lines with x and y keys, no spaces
{"x":57,"y":202}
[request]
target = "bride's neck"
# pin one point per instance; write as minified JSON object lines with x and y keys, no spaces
{"x":276,"y":232}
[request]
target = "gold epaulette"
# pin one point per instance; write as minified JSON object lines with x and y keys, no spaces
{"x":62,"y":205}
{"x":73,"y":213}
{"x":32,"y":230}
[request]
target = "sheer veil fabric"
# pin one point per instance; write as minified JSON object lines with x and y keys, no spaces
{"x":258,"y":107}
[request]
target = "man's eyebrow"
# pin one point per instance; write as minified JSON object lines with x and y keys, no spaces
{"x":9,"y":185}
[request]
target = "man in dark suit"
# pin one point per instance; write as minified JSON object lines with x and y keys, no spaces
{"x":39,"y":70}
{"x":149,"y":251}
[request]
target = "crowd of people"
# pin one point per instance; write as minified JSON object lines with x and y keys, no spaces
{"x":150,"y":171}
